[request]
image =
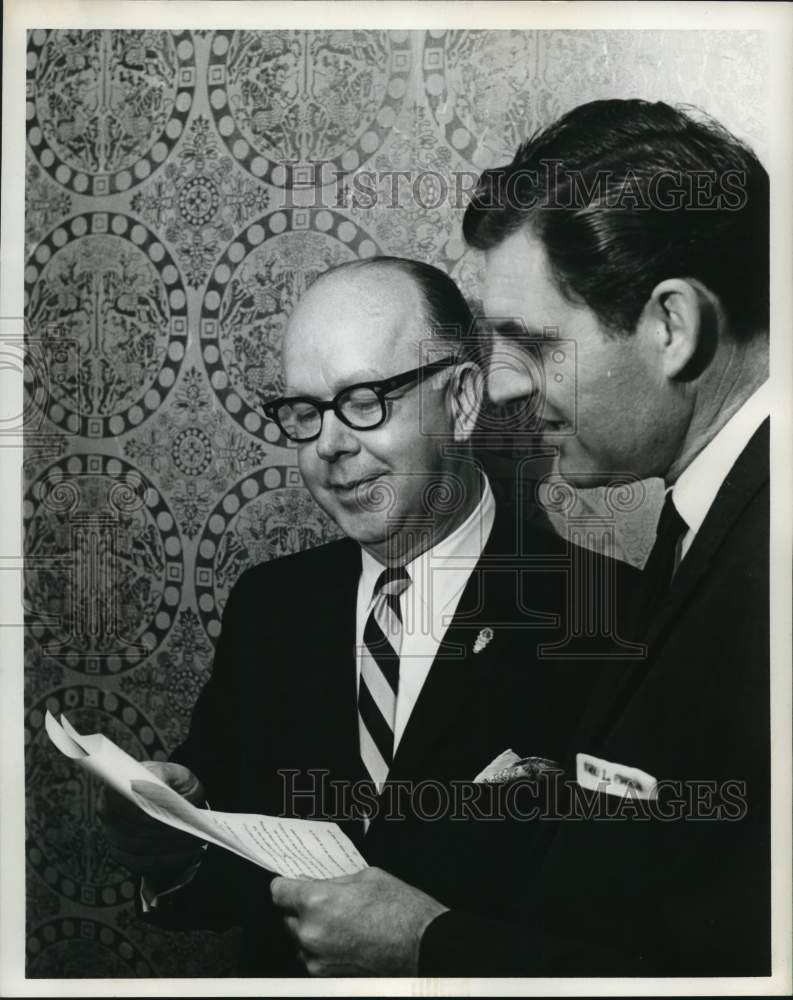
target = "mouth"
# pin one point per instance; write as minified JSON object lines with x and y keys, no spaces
{"x":350,"y":489}
{"x":555,"y":427}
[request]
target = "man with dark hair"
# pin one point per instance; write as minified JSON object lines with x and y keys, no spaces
{"x":640,"y":233}
{"x":370,"y":680}
{"x":623,"y":194}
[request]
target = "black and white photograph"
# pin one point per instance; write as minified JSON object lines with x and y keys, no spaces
{"x":397,"y":498}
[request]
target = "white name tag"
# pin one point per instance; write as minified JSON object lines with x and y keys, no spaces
{"x":614,"y":779}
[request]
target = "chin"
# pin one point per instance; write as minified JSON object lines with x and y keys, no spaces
{"x":360,"y":527}
{"x":585,"y":475}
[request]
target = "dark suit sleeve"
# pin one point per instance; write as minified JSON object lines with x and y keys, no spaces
{"x":463,"y":944}
{"x":214,"y":739}
{"x":684,"y":892}
{"x":252,"y":719}
{"x":699,"y":910}
{"x":214,"y":751}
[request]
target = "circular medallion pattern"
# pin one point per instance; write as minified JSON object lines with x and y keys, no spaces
{"x":409,"y":197}
{"x":45,"y":203}
{"x":198,"y":201}
{"x":66,"y":846}
{"x":167,"y":685}
{"x":251,"y":293}
{"x":195,"y":452}
{"x":106,"y":287}
{"x":483,"y":90}
{"x":104,"y":564}
{"x":191,"y":451}
{"x":298,"y":108}
{"x":180,"y":953}
{"x":105,"y":108}
{"x":74,"y":947}
{"x":264,"y":517}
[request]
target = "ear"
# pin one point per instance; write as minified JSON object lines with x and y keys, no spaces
{"x":676,"y":321}
{"x":465,"y":392}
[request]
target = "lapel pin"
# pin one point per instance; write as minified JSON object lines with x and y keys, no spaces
{"x":483,"y":639}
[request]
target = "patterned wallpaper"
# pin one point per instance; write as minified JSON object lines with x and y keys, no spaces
{"x":182,"y":189}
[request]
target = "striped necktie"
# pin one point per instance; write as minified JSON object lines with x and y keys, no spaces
{"x":379,"y":681}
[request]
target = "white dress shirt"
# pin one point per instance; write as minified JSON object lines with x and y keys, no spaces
{"x":438,"y":578}
{"x":697,"y":485}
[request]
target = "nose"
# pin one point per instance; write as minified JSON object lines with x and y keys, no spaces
{"x":510,"y":378}
{"x":335,"y":438}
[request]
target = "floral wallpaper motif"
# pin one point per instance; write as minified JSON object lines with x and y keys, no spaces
{"x":182,"y":190}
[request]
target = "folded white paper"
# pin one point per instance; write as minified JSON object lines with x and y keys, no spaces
{"x":291,"y":847}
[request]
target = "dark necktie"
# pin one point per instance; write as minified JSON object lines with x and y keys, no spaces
{"x":379,"y":681}
{"x":660,"y":567}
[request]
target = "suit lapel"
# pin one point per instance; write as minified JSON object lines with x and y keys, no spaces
{"x":326,"y":683}
{"x":450,"y":711}
{"x":746,"y":477}
{"x":450,"y":699}
{"x":621,"y":681}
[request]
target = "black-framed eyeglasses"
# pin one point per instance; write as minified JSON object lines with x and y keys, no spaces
{"x":361,"y":406}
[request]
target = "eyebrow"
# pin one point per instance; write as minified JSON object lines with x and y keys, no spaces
{"x":507,"y":326}
{"x":355,"y":378}
{"x":515,"y":328}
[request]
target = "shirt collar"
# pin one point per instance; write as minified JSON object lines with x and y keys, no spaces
{"x":697,"y":485}
{"x":459,"y":548}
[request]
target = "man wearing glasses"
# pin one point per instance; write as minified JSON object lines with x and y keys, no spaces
{"x":604,"y":227}
{"x":405,"y":657}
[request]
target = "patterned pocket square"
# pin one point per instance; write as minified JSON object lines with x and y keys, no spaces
{"x":509,"y":767}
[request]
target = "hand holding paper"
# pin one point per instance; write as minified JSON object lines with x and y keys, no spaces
{"x":368,"y":924}
{"x":292,"y":847}
{"x":138,"y":841}
{"x":143,"y":844}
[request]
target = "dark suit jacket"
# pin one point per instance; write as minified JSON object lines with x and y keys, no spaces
{"x":654,"y":898}
{"x":282,"y":697}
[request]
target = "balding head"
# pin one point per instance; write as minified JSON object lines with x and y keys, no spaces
{"x":368,"y":322}
{"x":433,"y":306}
{"x":382,"y":304}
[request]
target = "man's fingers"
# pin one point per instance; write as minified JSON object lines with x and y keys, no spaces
{"x":130,"y":829}
{"x":284,"y":893}
{"x":181,"y":779}
{"x":291,"y":894}
{"x":292,"y":924}
{"x":142,"y":844}
{"x":126,"y":825}
{"x":116,"y":810}
{"x":155,"y":844}
{"x":363,"y":875}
